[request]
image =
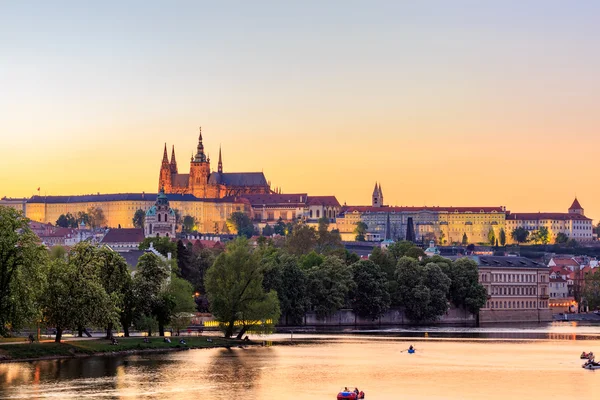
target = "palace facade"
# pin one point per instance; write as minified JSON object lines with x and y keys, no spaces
{"x":202,"y":183}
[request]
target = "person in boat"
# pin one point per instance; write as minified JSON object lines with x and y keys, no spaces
{"x":356,"y":391}
{"x":411,"y":348}
{"x":346,"y":389}
{"x":361,"y":395}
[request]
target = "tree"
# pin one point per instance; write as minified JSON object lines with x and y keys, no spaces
{"x":22,"y":278}
{"x":361,"y":231}
{"x":74,"y":296}
{"x":384,"y":260}
{"x":241,"y":223}
{"x":268,"y":230}
{"x":465,"y":289}
{"x":149,"y":284}
{"x":284,"y":275}
{"x":519,"y":235}
{"x":502,"y":237}
{"x":591,"y":291}
{"x":542,"y":235}
{"x":96,"y":217}
{"x":329,"y":285}
{"x":83,"y":218}
{"x":189,"y":223}
{"x":442,"y":238}
{"x":561,"y":238}
{"x":280,"y":227}
{"x":302,"y":240}
{"x":328,"y":242}
{"x":235,"y":290}
{"x":491,"y":237}
{"x":465,"y":239}
{"x":177,"y":217}
{"x":422,"y":290}
{"x":405,"y":248}
{"x":139,"y":218}
{"x":163,"y":245}
{"x":369,"y":298}
{"x":115,"y":279}
{"x":66,"y":221}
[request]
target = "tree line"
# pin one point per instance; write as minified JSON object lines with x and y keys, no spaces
{"x":87,"y":286}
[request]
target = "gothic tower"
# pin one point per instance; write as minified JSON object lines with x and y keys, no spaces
{"x":199,"y":171}
{"x":220,"y":168}
{"x":164,"y":180}
{"x":173,"y":162}
{"x":377,"y":198}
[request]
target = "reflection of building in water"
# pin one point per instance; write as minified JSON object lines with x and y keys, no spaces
{"x":517,"y":289}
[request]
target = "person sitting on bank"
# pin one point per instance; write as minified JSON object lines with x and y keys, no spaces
{"x":182,"y":341}
{"x":31,"y":338}
{"x":167,"y":340}
{"x":113,"y":340}
{"x":146,"y":340}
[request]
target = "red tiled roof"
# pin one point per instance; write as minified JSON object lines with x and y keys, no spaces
{"x":565,"y":262}
{"x":575,"y":205}
{"x":386,"y":209}
{"x":549,"y":216}
{"x":329,"y":201}
{"x":124,"y":235}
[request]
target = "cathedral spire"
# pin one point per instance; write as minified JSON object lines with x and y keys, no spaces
{"x":220,"y":170}
{"x":165,"y":159}
{"x":200,"y":156}
{"x":173,"y":161}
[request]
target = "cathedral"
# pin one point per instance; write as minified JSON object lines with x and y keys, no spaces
{"x":204,"y":183}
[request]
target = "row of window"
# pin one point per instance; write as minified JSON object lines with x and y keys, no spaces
{"x":516,"y":304}
{"x":516,"y":290}
{"x":518,"y":278}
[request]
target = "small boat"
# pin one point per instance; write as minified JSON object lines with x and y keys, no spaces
{"x":411,"y":351}
{"x":591,"y":365}
{"x":347,"y":394}
{"x":586,"y":356}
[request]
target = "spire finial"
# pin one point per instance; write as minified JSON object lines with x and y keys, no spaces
{"x":200,"y":157}
{"x":173,"y":161}
{"x":220,"y":168}
{"x":165,"y":159}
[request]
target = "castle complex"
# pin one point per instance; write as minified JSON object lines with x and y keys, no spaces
{"x":202,"y":183}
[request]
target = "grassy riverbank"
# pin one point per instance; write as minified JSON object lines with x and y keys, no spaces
{"x":79,"y":348}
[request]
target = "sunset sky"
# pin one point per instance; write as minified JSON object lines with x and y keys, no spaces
{"x":456,"y":103}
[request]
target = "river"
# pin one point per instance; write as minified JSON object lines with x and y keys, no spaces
{"x":494,"y":363}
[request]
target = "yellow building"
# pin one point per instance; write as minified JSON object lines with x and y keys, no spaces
{"x":211,"y":214}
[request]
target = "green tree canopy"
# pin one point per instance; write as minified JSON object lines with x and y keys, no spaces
{"x":329,"y":285}
{"x":361,"y":231}
{"x":302,"y":240}
{"x":284,"y":275}
{"x":241,"y":223}
{"x":541,"y":236}
{"x":149,"y":286}
{"x":592,"y":289}
{"x":519,"y":235}
{"x":66,"y":221}
{"x":404,"y":248}
{"x":22,"y":277}
{"x":491,"y":237}
{"x":328,"y":242}
{"x":115,"y":279}
{"x":163,"y":245}
{"x":465,"y":289}
{"x":268,"y":230}
{"x":422,"y":290}
{"x":369,"y":297}
{"x":502,"y":237}
{"x":465,"y":239}
{"x":235,"y":290}
{"x":189,"y":223}
{"x":561,"y":238}
{"x":97,"y":218}
{"x":139,"y":218}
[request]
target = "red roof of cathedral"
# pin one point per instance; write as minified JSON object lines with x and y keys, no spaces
{"x":124,"y":235}
{"x":330,"y":201}
{"x":575,"y":205}
{"x":541,"y":215}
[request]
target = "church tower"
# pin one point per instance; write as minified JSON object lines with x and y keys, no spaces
{"x":220,"y":168}
{"x":164,"y":180}
{"x":199,"y":171}
{"x":173,"y":161}
{"x":377,"y":198}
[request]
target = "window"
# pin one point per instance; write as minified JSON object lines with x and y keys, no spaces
{"x":318,"y":213}
{"x":158,"y":217}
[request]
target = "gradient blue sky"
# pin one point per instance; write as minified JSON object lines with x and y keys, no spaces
{"x":444,"y":102}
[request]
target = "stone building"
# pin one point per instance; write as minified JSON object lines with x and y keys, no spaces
{"x":518,"y":289}
{"x":201,"y":182}
{"x":160,"y":219}
{"x":573,"y":223}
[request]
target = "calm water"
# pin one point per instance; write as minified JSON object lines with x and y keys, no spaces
{"x":441,"y":369}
